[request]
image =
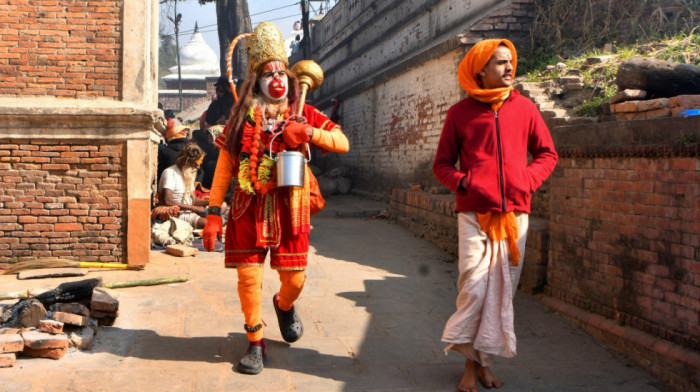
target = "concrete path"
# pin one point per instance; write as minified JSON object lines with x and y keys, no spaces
{"x":374,"y":306}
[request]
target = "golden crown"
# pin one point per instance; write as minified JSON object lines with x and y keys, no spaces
{"x":266,"y":43}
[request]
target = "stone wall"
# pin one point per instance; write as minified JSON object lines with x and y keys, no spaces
{"x":393,"y":67}
{"x":62,"y":49}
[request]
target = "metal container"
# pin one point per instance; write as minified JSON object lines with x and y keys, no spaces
{"x":291,"y":166}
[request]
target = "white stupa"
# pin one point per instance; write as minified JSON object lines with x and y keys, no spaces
{"x":197,"y":62}
{"x":296,"y":32}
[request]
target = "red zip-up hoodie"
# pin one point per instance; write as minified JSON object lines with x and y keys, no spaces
{"x":492,"y":151}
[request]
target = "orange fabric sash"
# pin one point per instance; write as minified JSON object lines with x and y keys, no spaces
{"x":499,"y":226}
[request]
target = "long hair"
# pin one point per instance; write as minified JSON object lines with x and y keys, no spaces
{"x":249,"y":90}
{"x":190,"y":153}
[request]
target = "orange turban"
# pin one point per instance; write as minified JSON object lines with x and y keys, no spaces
{"x":176,"y":132}
{"x":474,"y":61}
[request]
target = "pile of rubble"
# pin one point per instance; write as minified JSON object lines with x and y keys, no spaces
{"x":48,"y":325}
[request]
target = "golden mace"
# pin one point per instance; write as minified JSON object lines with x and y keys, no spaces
{"x":310,"y":77}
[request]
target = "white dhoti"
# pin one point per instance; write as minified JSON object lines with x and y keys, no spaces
{"x":483,"y":322}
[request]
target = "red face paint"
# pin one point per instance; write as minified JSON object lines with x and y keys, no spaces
{"x":273,"y":81}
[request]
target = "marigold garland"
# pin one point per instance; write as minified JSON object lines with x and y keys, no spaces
{"x":254,"y":175}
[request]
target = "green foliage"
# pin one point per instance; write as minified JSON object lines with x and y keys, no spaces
{"x":687,"y":139}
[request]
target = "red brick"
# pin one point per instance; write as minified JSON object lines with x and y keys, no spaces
{"x":51,"y":353}
{"x":68,"y":227}
{"x":41,"y":340}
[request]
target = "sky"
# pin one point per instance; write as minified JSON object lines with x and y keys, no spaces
{"x":281,"y":12}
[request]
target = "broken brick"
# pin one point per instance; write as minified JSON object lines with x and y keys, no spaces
{"x":104,"y":299}
{"x":70,"y":318}
{"x":7,"y":360}
{"x":52,"y":353}
{"x":51,"y":326}
{"x":39,"y":340}
{"x":11,"y":343}
{"x":72,"y":307}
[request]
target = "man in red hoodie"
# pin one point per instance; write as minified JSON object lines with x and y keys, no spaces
{"x":490,"y":133}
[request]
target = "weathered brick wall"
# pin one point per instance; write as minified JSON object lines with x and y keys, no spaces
{"x":394,"y":128}
{"x":62,"y":199}
{"x":625,"y":224}
{"x":433,"y":217}
{"x":69,"y":49}
{"x":393,"y":66}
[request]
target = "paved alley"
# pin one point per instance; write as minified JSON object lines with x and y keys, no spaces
{"x":374,"y":305}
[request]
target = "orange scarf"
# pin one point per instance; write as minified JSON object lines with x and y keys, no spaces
{"x":502,"y":226}
{"x":475,"y":61}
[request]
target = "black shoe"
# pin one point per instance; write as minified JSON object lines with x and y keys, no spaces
{"x":252,"y":360}
{"x":290,"y":324}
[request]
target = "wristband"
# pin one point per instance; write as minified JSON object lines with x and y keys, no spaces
{"x":214,"y":211}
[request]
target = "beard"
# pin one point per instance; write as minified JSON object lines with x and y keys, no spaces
{"x":188,"y":175}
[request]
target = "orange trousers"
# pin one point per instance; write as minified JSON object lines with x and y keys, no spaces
{"x":250,"y":293}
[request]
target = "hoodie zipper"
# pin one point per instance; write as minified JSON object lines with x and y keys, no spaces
{"x":500,"y":164}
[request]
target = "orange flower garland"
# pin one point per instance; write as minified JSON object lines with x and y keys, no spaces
{"x":255,"y":176}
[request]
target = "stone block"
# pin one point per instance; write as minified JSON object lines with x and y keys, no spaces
{"x":663,"y":112}
{"x":629,"y":116}
{"x":7,"y":360}
{"x":685,"y":101}
{"x":11,"y":343}
{"x":51,"y":353}
{"x":51,"y":326}
{"x":36,"y":339}
{"x":104,"y":300}
{"x":625,"y":107}
{"x":70,"y":318}
{"x":652,"y":104}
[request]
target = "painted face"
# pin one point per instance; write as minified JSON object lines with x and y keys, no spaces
{"x":273,"y":81}
{"x":498,"y":72}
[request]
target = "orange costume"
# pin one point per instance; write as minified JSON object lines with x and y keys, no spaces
{"x":264,"y":218}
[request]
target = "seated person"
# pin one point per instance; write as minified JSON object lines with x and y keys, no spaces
{"x":176,"y":187}
{"x":177,"y":137}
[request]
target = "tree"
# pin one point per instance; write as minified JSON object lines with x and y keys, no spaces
{"x":166,"y":57}
{"x":233,"y":19}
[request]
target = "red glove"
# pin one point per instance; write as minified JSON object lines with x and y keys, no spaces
{"x":295,"y":134}
{"x":212,"y":231}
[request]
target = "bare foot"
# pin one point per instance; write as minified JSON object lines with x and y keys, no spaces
{"x":468,"y":382}
{"x":488,"y":379}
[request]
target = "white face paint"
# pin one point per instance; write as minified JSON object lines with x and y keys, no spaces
{"x":273,"y":81}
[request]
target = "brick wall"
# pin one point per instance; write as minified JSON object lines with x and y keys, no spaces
{"x":625,"y":224}
{"x":619,"y":252}
{"x":394,"y":128}
{"x":433,"y":217}
{"x":69,"y":49}
{"x":62,"y":199}
{"x":395,"y":90}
